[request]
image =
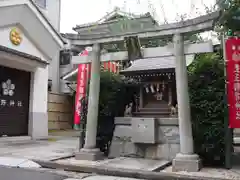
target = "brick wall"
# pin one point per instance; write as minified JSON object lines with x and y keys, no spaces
{"x":60,"y":111}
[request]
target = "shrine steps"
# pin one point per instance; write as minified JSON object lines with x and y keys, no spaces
{"x":159,"y":105}
{"x":163,"y":109}
{"x":157,"y":110}
{"x":152,"y":114}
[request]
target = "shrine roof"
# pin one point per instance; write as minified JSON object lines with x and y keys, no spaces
{"x":157,"y":63}
{"x":111,"y":24}
{"x":110,"y":16}
{"x":113,"y":16}
{"x":111,"y":28}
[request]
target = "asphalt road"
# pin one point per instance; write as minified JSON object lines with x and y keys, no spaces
{"x":7,"y":173}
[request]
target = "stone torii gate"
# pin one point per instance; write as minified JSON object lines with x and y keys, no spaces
{"x":186,"y":159}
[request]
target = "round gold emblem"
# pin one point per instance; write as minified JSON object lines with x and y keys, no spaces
{"x":15,"y":36}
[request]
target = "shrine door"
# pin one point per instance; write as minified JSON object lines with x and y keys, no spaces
{"x":14,"y":101}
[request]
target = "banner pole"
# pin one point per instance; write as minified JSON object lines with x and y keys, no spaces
{"x":228,"y":131}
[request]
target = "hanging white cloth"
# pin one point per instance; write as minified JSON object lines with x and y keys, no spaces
{"x":152,"y":89}
{"x":158,"y":87}
{"x":146,"y":89}
{"x":163,"y":85}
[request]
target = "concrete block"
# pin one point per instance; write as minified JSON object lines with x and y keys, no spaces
{"x":163,"y":151}
{"x":170,"y":133}
{"x":130,"y":149}
{"x":166,"y":139}
{"x":122,"y":131}
{"x":115,"y":149}
{"x":174,"y":150}
{"x":89,"y":155}
{"x":120,"y":148}
{"x":144,"y":130}
{"x":184,"y":162}
{"x":186,"y":165}
{"x":151,"y":152}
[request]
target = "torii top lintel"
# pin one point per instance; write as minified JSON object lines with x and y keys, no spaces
{"x":196,"y":25}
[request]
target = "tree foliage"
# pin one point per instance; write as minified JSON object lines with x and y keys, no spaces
{"x":207,"y":90}
{"x":114,"y":95}
{"x":112,"y":91}
{"x":230,"y":18}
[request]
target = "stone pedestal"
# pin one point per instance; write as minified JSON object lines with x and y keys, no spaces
{"x":89,"y":154}
{"x":166,"y":147}
{"x":186,"y":162}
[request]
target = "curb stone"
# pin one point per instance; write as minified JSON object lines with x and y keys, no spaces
{"x":129,"y":173}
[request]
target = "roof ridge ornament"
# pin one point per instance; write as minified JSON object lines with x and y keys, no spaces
{"x":116,"y":8}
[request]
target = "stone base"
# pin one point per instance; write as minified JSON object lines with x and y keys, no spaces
{"x":89,"y":155}
{"x":189,"y":163}
{"x":167,"y":146}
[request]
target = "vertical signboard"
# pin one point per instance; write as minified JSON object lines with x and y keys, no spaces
{"x":84,"y":73}
{"x":80,"y":90}
{"x":232,"y":47}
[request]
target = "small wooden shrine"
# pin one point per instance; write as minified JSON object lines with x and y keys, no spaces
{"x":156,"y":82}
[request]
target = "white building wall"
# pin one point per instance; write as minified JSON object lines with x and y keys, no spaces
{"x":38,"y":39}
{"x":38,"y":117}
{"x":52,"y":12}
{"x":26,"y":45}
{"x":54,"y":73}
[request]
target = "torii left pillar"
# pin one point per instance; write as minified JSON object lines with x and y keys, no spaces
{"x":89,"y":151}
{"x":186,"y":160}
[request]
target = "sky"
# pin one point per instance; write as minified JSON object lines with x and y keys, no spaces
{"x":74,"y":12}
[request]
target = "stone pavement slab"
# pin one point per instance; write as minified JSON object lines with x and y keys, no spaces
{"x":133,"y":173}
{"x":69,"y":174}
{"x":12,"y":173}
{"x":104,"y":178}
{"x":209,"y":173}
{"x":137,"y":163}
{"x":49,"y":149}
{"x":121,"y":163}
{"x":108,"y":178}
{"x":17,"y":162}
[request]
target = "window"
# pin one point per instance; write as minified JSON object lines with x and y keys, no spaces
{"x":65,"y":57}
{"x":41,"y":3}
{"x":49,"y":85}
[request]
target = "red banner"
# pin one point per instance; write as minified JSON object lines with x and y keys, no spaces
{"x":84,"y":72}
{"x":233,"y":77}
{"x":80,"y":90}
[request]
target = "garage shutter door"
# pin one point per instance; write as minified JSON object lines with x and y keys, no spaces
{"x":14,"y":101}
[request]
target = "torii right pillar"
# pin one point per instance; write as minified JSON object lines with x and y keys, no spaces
{"x":186,"y":160}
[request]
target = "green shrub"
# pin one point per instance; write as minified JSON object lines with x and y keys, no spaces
{"x":111,"y":94}
{"x":114,"y":95}
{"x":207,"y":89}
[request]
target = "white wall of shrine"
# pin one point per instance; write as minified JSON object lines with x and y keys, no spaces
{"x":39,"y":45}
{"x":26,"y":46}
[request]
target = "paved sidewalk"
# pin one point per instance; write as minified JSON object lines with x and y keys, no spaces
{"x":120,"y":163}
{"x":49,"y":149}
{"x":80,"y":176}
{"x":97,"y":177}
{"x":54,"y":151}
{"x":165,"y":174}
